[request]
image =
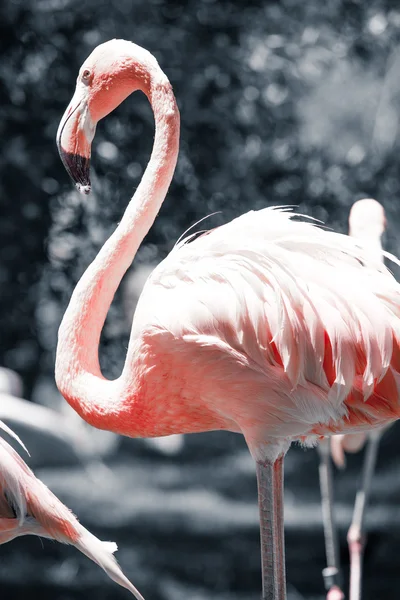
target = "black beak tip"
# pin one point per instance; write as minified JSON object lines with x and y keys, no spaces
{"x":78,"y":167}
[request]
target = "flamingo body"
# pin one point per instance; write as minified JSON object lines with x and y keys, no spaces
{"x":217,"y":323}
{"x":268,"y":326}
{"x":250,"y":328}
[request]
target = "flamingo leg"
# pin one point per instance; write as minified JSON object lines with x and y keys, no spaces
{"x":331,"y":573}
{"x":270,"y":501}
{"x":356,"y":533}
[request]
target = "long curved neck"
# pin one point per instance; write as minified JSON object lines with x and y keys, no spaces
{"x":78,"y":373}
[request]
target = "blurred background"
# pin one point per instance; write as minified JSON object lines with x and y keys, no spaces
{"x":281,"y":103}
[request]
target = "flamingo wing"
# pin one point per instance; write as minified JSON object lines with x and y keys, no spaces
{"x":306,"y":308}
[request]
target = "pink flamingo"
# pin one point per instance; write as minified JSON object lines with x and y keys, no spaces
{"x":266,"y":326}
{"x":367,"y":222}
{"x":28,"y":507}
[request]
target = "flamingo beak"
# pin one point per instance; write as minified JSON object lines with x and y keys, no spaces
{"x":74,"y":137}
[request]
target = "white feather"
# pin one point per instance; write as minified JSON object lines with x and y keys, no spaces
{"x":265,"y":277}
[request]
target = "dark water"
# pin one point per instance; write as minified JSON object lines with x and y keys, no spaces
{"x":187,"y":526}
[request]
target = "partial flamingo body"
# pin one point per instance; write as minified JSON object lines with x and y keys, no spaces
{"x":367,"y":222}
{"x":44,"y":429}
{"x":28,"y":507}
{"x":267,"y":326}
{"x":10,"y":383}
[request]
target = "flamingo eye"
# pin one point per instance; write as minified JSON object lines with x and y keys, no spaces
{"x":86,"y":75}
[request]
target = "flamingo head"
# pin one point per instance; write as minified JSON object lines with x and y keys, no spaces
{"x":113,"y":70}
{"x":367,"y":219}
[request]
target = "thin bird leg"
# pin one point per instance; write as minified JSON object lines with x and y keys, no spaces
{"x":270,"y":502}
{"x":356,"y":533}
{"x":331,"y":573}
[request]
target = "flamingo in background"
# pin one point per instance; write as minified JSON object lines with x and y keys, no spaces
{"x":10,"y":383}
{"x":367,"y":222}
{"x":57,"y":438}
{"x":54,"y":436}
{"x":267,"y":326}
